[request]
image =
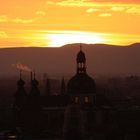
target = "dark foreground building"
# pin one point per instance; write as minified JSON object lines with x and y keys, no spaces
{"x":77,"y":113}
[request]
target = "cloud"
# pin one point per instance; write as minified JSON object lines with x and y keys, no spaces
{"x":117,"y":8}
{"x":71,"y":3}
{"x":3,"y":34}
{"x":40,"y":13}
{"x":133,"y":10}
{"x":127,"y":6}
{"x":50,"y":2}
{"x":3,"y":18}
{"x":130,"y":8}
{"x":93,"y":3}
{"x":117,"y":1}
{"x":23,"y":21}
{"x":105,"y":15}
{"x":91,"y":10}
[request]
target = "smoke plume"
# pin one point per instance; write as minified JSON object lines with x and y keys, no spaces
{"x":21,"y":66}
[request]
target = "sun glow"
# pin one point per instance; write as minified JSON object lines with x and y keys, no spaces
{"x":58,"y":39}
{"x":54,"y":23}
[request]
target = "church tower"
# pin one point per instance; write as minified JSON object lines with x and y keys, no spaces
{"x":81,"y":87}
{"x":34,"y":94}
{"x":34,"y":86}
{"x":81,"y":62}
{"x":20,"y":96}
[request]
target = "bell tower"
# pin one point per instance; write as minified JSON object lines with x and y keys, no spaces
{"x":81,"y":61}
{"x":81,"y":87}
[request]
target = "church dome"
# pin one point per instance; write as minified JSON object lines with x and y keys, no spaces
{"x":20,"y":82}
{"x":81,"y":84}
{"x":34,"y":82}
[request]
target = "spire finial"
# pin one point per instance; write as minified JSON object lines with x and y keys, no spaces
{"x":80,"y":47}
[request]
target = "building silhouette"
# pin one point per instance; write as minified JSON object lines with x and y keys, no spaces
{"x":74,"y":111}
{"x":81,"y":87}
{"x":20,"y":96}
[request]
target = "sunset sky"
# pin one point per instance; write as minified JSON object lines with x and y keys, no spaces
{"x":55,"y":23}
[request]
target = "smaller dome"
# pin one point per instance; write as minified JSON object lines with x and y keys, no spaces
{"x":81,"y":57}
{"x":34,"y":82}
{"x":20,"y":82}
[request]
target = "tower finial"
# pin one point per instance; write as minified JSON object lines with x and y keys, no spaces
{"x":80,"y":47}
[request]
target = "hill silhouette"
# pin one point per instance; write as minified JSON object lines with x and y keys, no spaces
{"x":101,"y":59}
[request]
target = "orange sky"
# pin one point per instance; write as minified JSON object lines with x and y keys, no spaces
{"x":55,"y":23}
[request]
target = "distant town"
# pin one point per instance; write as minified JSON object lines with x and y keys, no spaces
{"x":80,"y":107}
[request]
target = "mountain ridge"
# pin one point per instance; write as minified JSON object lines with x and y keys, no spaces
{"x":84,"y":44}
{"x":101,"y":59}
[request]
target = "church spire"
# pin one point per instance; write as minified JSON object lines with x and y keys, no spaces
{"x":81,"y":61}
{"x":33,"y":98}
{"x":34,"y":85}
{"x":20,"y":82}
{"x":20,"y":95}
{"x":34,"y":82}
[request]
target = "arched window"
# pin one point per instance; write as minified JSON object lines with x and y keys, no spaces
{"x":76,"y":99}
{"x":86,"y":99}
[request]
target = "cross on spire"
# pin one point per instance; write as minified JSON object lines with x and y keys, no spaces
{"x":80,"y":47}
